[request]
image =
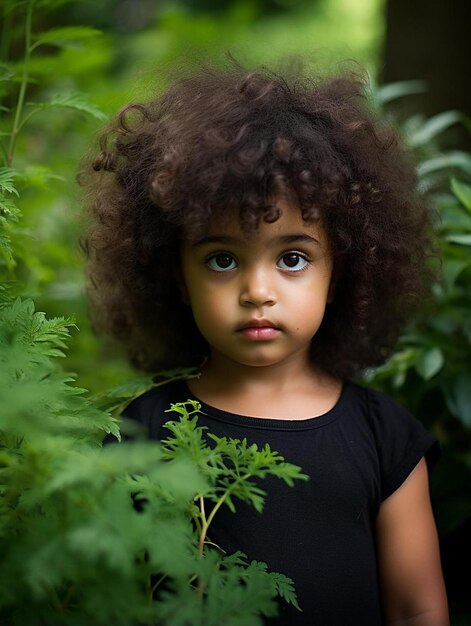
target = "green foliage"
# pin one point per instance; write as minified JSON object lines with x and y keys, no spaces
{"x":36,"y":394}
{"x":429,"y":371}
{"x":44,"y":73}
{"x":66,"y":36}
{"x":74,"y":101}
{"x":117,"y":398}
{"x":17,"y":78}
{"x":74,"y":548}
{"x":228,"y":465}
{"x":9,"y":215}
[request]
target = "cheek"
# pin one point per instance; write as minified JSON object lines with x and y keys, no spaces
{"x":212,"y":303}
{"x":207,"y":303}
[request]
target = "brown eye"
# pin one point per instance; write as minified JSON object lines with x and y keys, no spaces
{"x":221,"y":262}
{"x":293,"y":262}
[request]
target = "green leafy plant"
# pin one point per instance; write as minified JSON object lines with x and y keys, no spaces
{"x":228,"y":465}
{"x":429,"y":371}
{"x":74,"y":548}
{"x":19,"y":79}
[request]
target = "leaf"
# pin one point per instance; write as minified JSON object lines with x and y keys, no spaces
{"x":117,"y":398}
{"x":67,"y":36}
{"x":458,"y":397}
{"x":8,"y":209}
{"x":99,"y":466}
{"x":462,"y":192}
{"x":6,"y":251}
{"x":130,"y":388}
{"x":236,"y":594}
{"x":6,"y":72}
{"x":452,"y":269}
{"x":34,"y":328}
{"x":464,"y":240}
{"x":74,"y":101}
{"x":430,"y":363}
{"x":37,"y":396}
{"x":433,"y":127}
{"x":285,"y":588}
{"x":452,"y":159}
{"x":7,"y":175}
{"x":393,"y":91}
{"x":37,"y":175}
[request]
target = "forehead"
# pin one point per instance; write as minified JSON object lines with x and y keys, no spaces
{"x":290,"y":223}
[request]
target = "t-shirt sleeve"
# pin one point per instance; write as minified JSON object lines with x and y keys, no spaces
{"x":402,"y":441}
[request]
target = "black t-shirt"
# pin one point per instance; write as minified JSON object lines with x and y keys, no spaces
{"x":319,"y":532}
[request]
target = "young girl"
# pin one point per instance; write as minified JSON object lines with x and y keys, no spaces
{"x":268,"y":230}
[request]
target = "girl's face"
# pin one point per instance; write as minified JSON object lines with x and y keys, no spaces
{"x":258,"y":301}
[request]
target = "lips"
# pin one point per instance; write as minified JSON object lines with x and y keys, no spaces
{"x":259,"y":330}
{"x":259,"y":323}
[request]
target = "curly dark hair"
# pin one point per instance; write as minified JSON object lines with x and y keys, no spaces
{"x":225,"y":140}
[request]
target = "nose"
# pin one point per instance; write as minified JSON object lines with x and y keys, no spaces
{"x":257,"y":288}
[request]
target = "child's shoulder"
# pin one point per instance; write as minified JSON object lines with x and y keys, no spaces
{"x":401,"y":439}
{"x":384,"y":415}
{"x":366,"y":399}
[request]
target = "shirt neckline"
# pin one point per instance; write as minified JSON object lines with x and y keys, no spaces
{"x":266,"y":423}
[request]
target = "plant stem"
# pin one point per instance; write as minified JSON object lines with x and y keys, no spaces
{"x":217,"y":506}
{"x":24,"y":83}
{"x":154,"y":587}
{"x":204,"y":527}
{"x":26,"y":119}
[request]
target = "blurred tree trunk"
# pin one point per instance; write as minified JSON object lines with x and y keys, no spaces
{"x":429,"y":39}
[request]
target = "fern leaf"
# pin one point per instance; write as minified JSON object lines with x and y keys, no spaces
{"x":285,"y":588}
{"x":74,"y":101}
{"x":7,"y":175}
{"x":8,"y":209}
{"x":67,"y":36}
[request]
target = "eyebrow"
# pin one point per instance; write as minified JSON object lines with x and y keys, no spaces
{"x":228,"y":240}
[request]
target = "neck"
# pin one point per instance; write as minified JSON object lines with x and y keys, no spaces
{"x":226,"y":376}
{"x":290,"y":389}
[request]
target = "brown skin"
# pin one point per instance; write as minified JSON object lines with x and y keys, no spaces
{"x":411,"y":580}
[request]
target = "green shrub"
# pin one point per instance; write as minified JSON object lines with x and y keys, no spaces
{"x":74,"y":548}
